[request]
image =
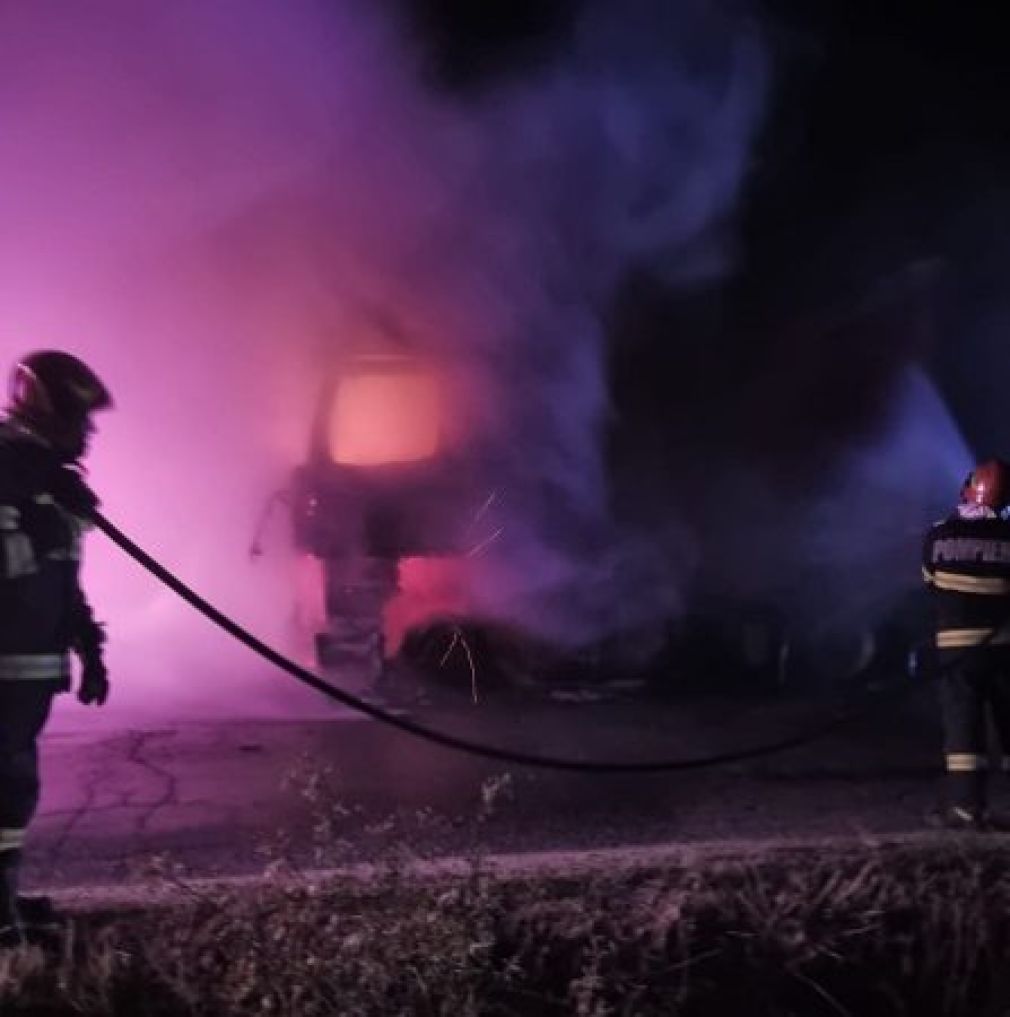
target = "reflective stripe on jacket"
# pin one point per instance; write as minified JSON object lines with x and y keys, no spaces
{"x":43,"y":611}
{"x":35,"y":667}
{"x":966,"y":563}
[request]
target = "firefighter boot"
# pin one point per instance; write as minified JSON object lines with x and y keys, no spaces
{"x":41,"y":923}
{"x":966,"y":795}
{"x":37,"y":909}
{"x":958,"y":818}
{"x":11,"y":931}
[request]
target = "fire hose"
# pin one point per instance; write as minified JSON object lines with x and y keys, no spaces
{"x":451,"y":741}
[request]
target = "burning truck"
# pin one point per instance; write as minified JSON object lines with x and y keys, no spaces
{"x":382,"y":491}
{"x":386,"y":499}
{"x":387,"y":512}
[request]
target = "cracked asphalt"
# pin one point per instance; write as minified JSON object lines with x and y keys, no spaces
{"x":223,"y":798}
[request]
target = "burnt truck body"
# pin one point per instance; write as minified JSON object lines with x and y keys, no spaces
{"x":377,"y":487}
{"x":360,"y":523}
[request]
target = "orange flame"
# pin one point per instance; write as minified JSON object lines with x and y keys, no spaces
{"x":386,"y":410}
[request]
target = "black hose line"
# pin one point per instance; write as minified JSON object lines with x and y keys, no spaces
{"x":451,"y":741}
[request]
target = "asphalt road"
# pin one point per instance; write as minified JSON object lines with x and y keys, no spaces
{"x":225,"y":798}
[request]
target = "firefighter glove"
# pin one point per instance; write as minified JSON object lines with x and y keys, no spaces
{"x":94,"y":688}
{"x":71,"y":493}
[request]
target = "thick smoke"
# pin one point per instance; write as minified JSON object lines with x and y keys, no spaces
{"x":208,"y":201}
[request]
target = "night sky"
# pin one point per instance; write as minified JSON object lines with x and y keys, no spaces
{"x":885,"y":144}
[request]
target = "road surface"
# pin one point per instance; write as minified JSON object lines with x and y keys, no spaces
{"x":216,"y":798}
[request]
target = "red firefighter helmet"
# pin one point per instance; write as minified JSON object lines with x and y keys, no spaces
{"x":49,"y":385}
{"x":988,"y":484}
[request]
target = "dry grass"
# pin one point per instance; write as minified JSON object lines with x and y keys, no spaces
{"x":897,"y":930}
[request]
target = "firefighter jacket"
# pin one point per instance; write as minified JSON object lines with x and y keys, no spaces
{"x":966,"y":562}
{"x":43,"y":611}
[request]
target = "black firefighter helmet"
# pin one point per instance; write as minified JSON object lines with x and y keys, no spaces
{"x":55,"y":393}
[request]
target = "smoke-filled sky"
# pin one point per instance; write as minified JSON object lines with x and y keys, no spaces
{"x":886,"y":143}
{"x":212,"y":201}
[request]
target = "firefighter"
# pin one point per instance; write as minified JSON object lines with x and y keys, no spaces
{"x":966,"y":563}
{"x":44,"y":506}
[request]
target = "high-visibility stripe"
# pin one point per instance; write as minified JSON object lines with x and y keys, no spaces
{"x":11,"y":838}
{"x":952,"y":638}
{"x":65,"y":554}
{"x":965,"y":815}
{"x":965,"y":762}
{"x":16,"y":555}
{"x":994,"y":586}
{"x":18,"y":667}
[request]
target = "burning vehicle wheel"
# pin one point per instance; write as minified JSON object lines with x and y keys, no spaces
{"x":466,"y":659}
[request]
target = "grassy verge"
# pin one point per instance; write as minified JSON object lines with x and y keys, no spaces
{"x":901,"y":930}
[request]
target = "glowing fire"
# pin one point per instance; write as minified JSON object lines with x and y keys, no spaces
{"x":429,"y":588}
{"x":386,"y":410}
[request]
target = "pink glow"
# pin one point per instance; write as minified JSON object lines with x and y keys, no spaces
{"x":143,"y":156}
{"x":429,"y":588}
{"x":205,"y":200}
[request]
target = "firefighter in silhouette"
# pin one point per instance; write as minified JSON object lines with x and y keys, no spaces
{"x":966,"y":563}
{"x":44,"y":506}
